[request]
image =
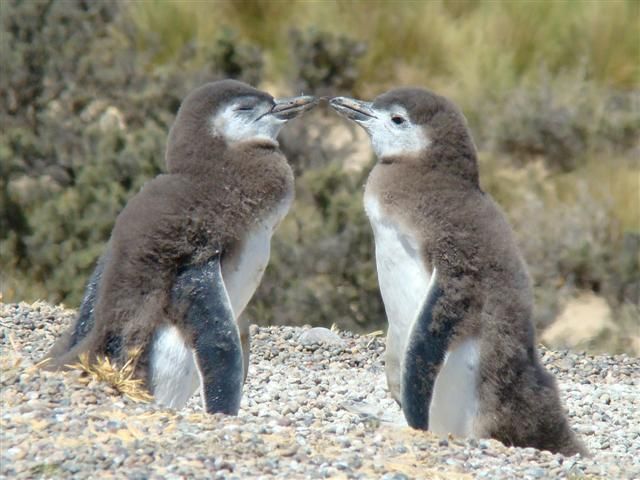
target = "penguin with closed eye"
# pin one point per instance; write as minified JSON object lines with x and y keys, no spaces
{"x":460,"y":355}
{"x":188,"y":251}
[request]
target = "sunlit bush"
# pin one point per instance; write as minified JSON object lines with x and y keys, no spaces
{"x":88,"y":90}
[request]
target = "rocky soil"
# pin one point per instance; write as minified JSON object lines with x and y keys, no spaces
{"x":309,"y":411}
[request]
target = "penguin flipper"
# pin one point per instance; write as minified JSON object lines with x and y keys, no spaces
{"x":86,"y":313}
{"x":61,"y":353}
{"x":426,"y":349}
{"x":201,"y":297}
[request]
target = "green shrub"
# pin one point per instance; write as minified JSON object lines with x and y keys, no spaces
{"x":89,"y":89}
{"x":85,"y":120}
{"x":562,"y":120}
{"x":572,"y":241}
{"x":325,"y":64}
{"x":322,"y":269}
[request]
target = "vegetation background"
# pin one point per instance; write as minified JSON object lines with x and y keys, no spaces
{"x":88,"y":91}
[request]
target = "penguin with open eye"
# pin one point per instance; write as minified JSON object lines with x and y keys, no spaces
{"x":188,"y":251}
{"x":460,"y":355}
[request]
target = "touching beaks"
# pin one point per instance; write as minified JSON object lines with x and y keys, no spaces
{"x":288,"y":108}
{"x":353,"y":109}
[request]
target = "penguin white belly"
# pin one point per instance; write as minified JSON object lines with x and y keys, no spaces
{"x":174,"y":376}
{"x":404,"y":284}
{"x":454,"y":403}
{"x":243,"y":278}
{"x":243,"y":275}
{"x":403,"y":280}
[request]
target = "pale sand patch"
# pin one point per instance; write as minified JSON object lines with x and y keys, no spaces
{"x":583,"y":318}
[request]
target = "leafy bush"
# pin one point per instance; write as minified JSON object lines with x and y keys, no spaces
{"x":85,"y":121}
{"x":325,"y":64}
{"x":572,"y":240}
{"x":235,"y":59}
{"x":322,"y":269}
{"x":563,"y":120}
{"x":89,"y":89}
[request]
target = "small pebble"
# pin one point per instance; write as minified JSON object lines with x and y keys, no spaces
{"x":320,"y":336}
{"x":315,"y":405}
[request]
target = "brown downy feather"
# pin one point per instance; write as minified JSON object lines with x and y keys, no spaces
{"x":211,"y":196}
{"x":466,"y":236}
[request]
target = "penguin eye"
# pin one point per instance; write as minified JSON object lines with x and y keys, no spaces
{"x":244,"y":108}
{"x":397,"y":119}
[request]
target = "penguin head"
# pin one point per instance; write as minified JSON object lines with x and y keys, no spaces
{"x":410,"y":122}
{"x":223,"y":114}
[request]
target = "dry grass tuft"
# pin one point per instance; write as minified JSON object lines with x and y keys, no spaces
{"x":119,"y":378}
{"x":373,"y":335}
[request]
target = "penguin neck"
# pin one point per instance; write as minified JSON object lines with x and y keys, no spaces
{"x":439,"y":167}
{"x":458,"y":165}
{"x":187,"y":156}
{"x":452,"y":153}
{"x":199,"y":159}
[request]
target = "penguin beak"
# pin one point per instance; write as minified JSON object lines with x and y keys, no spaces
{"x":288,"y":108}
{"x":353,"y":109}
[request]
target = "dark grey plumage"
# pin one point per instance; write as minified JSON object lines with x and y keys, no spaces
{"x":225,"y":175}
{"x":425,"y":190}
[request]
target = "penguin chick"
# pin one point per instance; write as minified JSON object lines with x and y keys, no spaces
{"x":188,"y":251}
{"x":461,"y":355}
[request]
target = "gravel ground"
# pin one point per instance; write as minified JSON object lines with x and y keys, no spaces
{"x":308,"y":411}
